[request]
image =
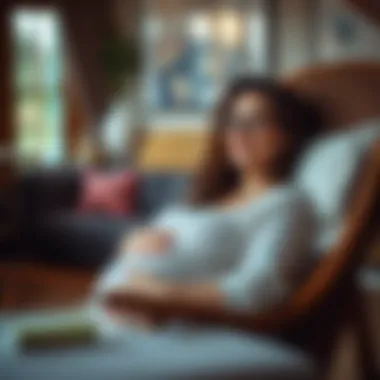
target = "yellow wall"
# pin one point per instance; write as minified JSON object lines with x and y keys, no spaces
{"x":173,"y":150}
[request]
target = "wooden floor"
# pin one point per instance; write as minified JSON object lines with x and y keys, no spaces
{"x":30,"y":286}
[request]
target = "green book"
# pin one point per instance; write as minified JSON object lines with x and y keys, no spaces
{"x":58,"y":335}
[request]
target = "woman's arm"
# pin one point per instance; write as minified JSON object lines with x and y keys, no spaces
{"x":268,"y":273}
{"x":165,"y":300}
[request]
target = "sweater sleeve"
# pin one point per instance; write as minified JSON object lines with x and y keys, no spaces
{"x":278,"y":257}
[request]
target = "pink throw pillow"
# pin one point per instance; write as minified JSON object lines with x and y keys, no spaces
{"x":111,"y":193}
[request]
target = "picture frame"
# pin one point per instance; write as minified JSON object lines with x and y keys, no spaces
{"x":191,"y":53}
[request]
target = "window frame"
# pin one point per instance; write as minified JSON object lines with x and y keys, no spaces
{"x":74,"y":114}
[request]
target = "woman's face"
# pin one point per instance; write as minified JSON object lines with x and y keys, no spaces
{"x":254,"y":139}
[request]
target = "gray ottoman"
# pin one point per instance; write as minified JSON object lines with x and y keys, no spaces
{"x":207,"y":353}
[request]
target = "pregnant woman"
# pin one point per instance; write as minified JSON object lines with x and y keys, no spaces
{"x":243,"y":241}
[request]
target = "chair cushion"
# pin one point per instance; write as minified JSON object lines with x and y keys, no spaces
{"x":327,"y":172}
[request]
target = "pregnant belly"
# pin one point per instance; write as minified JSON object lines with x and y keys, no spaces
{"x":184,"y":249}
{"x":150,"y":241}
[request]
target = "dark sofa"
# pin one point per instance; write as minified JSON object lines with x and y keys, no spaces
{"x":52,"y":230}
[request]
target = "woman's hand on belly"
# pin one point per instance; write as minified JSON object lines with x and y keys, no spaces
{"x":140,"y":284}
{"x":128,"y":316}
{"x":117,"y":305}
{"x":148,"y":240}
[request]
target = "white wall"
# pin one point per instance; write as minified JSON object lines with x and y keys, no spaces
{"x":365,"y":41}
{"x":307,"y":32}
{"x":293,"y":47}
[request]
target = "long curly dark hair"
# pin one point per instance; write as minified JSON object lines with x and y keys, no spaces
{"x":216,"y":176}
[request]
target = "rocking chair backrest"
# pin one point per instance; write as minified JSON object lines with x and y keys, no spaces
{"x":348,"y":93}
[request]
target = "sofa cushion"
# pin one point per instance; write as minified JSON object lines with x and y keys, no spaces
{"x":160,"y":189}
{"x":81,"y":240}
{"x":109,"y":192}
{"x":46,"y":189}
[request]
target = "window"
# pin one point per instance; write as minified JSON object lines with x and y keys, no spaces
{"x":38,"y":85}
